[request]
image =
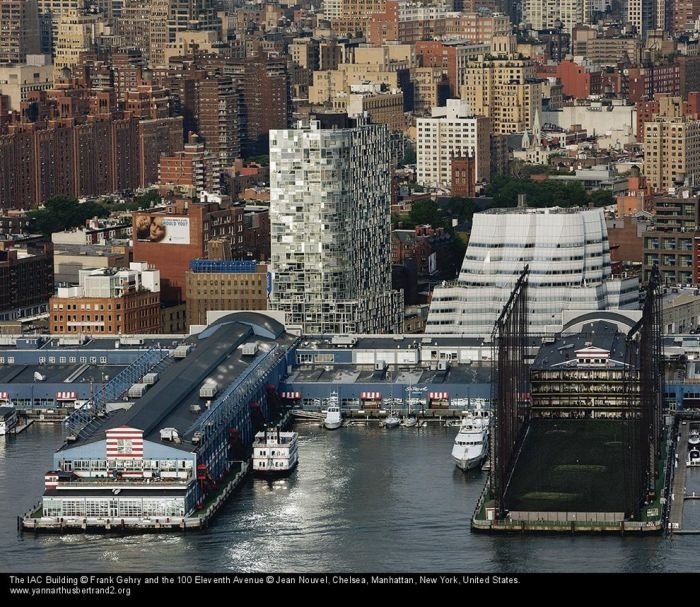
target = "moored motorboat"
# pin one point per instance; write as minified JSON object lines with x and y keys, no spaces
{"x":334,"y":418}
{"x":693,"y":457}
{"x":694,"y":437}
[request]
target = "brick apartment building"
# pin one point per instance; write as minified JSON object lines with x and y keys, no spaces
{"x":170,"y":237}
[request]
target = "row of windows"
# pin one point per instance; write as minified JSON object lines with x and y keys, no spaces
{"x":62,"y":360}
{"x":57,"y":306}
{"x":111,"y":507}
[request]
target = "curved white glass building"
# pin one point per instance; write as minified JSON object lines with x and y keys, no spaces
{"x":569,"y":258}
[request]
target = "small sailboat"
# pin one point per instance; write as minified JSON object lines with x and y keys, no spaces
{"x":410,"y":421}
{"x":392,"y":421}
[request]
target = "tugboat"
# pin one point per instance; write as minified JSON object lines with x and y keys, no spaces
{"x":275,"y":453}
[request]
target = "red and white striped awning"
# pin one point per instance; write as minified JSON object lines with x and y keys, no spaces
{"x":4,"y":396}
{"x":294,"y":395}
{"x":66,"y":395}
{"x":439,"y":396}
{"x":371,"y":396}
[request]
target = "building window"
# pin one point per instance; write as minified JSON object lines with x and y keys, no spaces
{"x":124,"y":446}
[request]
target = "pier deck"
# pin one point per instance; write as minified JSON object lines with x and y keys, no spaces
{"x":33,"y":521}
{"x":678,"y":487}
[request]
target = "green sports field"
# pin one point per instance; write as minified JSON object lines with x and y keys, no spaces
{"x":570,"y":465}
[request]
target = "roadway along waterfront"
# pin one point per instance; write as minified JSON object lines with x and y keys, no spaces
{"x":362,"y":499}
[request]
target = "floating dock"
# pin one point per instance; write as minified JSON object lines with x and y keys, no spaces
{"x":23,"y":426}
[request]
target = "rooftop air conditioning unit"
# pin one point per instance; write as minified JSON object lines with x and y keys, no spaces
{"x":249,"y":349}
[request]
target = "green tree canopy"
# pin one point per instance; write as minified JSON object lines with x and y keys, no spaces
{"x":548,"y":193}
{"x":425,"y":211}
{"x":64,"y":212}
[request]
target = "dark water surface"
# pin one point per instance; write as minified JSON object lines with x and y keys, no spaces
{"x":362,"y":499}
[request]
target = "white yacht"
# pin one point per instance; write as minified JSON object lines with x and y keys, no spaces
{"x":8,"y":419}
{"x":334,"y":419}
{"x":471,"y":443}
{"x":275,"y":452}
{"x":694,"y":437}
{"x":693,"y":456}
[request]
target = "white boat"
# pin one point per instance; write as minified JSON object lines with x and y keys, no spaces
{"x":275,"y":453}
{"x":392,"y":421}
{"x":693,"y":457}
{"x":8,"y":419}
{"x":471,"y":443}
{"x":334,"y":419}
{"x":694,"y":437}
{"x":410,"y":421}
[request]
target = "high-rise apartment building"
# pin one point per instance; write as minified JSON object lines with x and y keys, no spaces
{"x":351,"y":16}
{"x":217,"y":118}
{"x":26,"y":278}
{"x":50,"y":12}
{"x":669,"y":243}
{"x":642,"y":15}
{"x":19,"y":30}
{"x":671,"y":151}
{"x":683,"y":15}
{"x":546,"y":14}
{"x":451,"y":132}
{"x":194,"y":170}
{"x":168,"y":17}
{"x":569,"y":258}
{"x":264,"y":100}
{"x":501,"y":86}
{"x":76,"y":34}
{"x":330,"y":193}
{"x":133,"y":25}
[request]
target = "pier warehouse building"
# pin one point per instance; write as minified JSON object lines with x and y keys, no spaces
{"x":163,"y":456}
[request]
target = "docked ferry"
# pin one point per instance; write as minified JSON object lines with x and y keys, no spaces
{"x":275,"y":453}
{"x":8,"y":419}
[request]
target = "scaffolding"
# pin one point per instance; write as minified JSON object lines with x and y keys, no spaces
{"x":510,"y":393}
{"x":644,"y":387}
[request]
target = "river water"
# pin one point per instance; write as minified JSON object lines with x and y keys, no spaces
{"x":363,"y":499}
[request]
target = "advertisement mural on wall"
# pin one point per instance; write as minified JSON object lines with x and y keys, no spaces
{"x":161,"y":228}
